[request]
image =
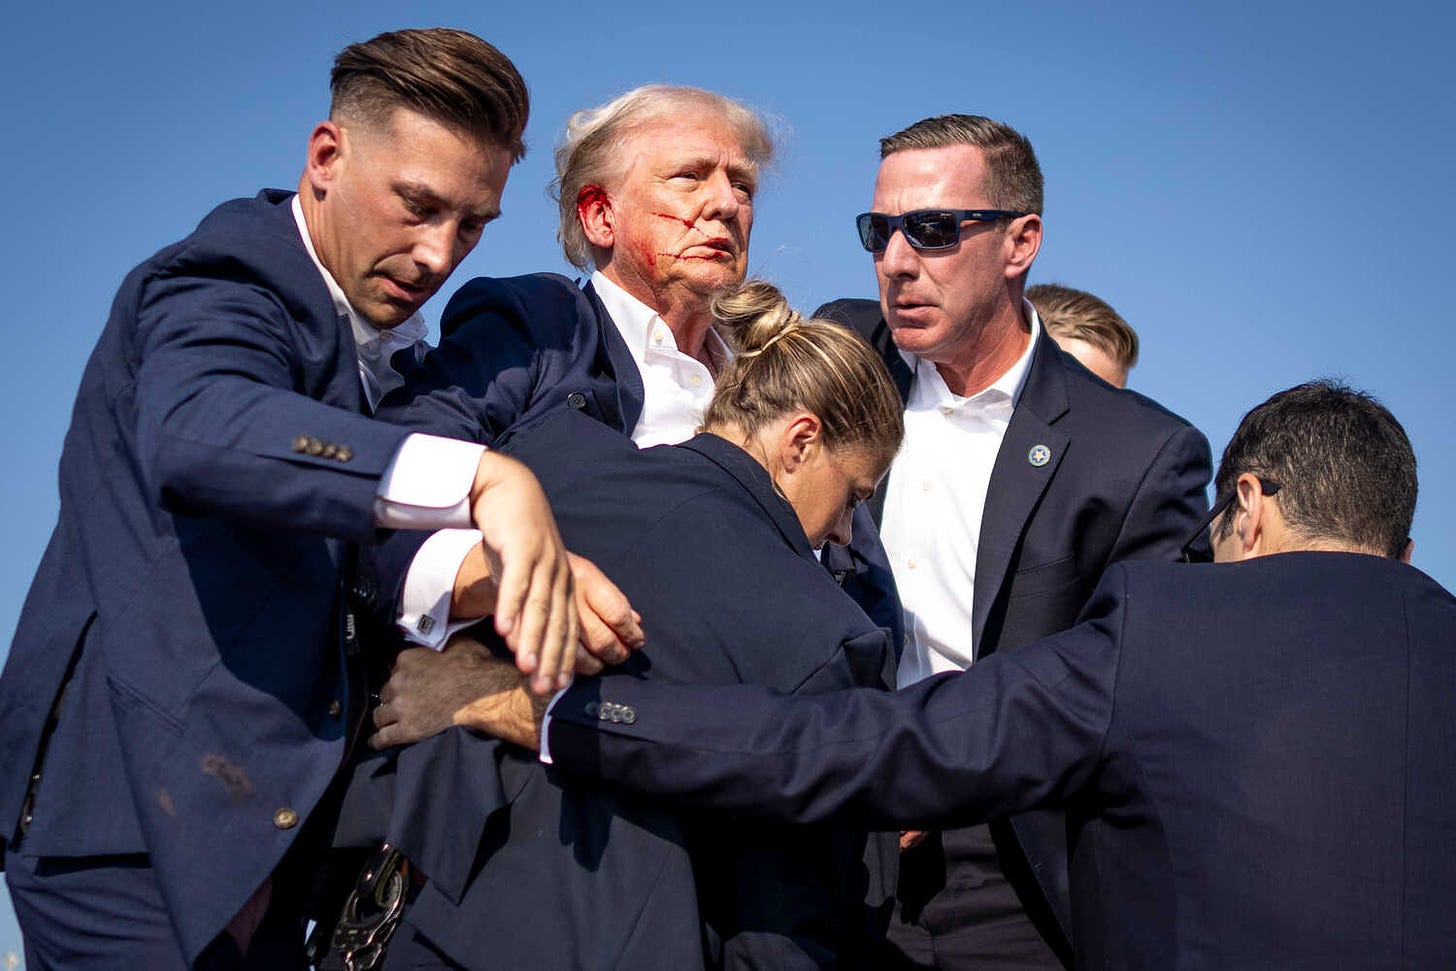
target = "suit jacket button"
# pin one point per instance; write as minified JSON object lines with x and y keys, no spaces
{"x":344,"y":454}
{"x":335,"y":709}
{"x":315,"y":447}
{"x":629,"y":715}
{"x":616,"y":714}
{"x":576,"y":400}
{"x":329,"y":450}
{"x":590,"y":710}
{"x":285,"y":818}
{"x":300,"y":444}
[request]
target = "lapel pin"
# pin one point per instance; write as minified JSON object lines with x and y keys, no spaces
{"x":1039,"y":455}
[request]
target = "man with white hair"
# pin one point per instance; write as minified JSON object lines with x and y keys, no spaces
{"x":656,"y":193}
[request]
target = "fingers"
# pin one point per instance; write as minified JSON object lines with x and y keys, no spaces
{"x":587,"y":663}
{"x":535,"y":609}
{"x":610,"y":628}
{"x":548,"y":630}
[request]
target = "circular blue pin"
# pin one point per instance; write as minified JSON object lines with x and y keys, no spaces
{"x":1039,"y":455}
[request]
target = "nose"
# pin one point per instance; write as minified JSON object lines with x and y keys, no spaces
{"x":843,"y":528}
{"x":899,"y":258}
{"x":721,"y":200}
{"x":434,"y":250}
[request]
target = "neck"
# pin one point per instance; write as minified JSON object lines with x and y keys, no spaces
{"x":685,"y":313}
{"x":979,"y":360}
{"x":312,"y":219}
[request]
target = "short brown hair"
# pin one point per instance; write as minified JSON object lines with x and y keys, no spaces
{"x":1013,"y":175}
{"x":447,"y":75}
{"x":1068,"y":312}
{"x":1345,"y":468}
{"x":591,"y":151}
{"x":785,"y":363}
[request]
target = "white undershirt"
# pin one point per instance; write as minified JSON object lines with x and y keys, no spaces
{"x":934,"y":501}
{"x":676,"y":387}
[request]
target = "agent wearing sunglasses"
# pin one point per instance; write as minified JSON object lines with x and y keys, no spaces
{"x":1021,"y":479}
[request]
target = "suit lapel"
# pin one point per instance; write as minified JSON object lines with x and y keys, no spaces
{"x":1017,"y":481}
{"x":630,"y":393}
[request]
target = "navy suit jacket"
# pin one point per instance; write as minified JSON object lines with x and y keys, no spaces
{"x":730,"y":592}
{"x":216,"y":458}
{"x":1255,"y":759}
{"x":1125,"y":480}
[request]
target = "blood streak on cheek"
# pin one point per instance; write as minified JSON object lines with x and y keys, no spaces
{"x":687,"y":223}
{"x":649,"y":257}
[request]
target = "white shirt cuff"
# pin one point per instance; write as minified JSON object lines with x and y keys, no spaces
{"x":427,"y":484}
{"x":424,"y":604}
{"x":546,"y":728}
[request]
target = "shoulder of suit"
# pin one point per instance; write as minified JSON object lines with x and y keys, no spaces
{"x":251,"y":241}
{"x":1087,"y":390}
{"x":259,"y":223}
{"x":860,"y":315}
{"x":543,"y":301}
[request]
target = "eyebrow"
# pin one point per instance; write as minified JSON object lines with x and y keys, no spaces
{"x":423,"y":193}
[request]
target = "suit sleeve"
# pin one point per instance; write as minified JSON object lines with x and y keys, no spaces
{"x":508,"y":345}
{"x":220,"y":410}
{"x":1170,"y":500}
{"x":1019,"y":730}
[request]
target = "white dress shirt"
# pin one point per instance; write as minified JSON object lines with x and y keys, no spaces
{"x":676,"y":387}
{"x":934,"y":500}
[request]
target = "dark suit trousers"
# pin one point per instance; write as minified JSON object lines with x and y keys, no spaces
{"x":955,"y":909}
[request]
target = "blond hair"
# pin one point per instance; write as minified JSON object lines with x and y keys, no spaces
{"x":1068,"y":312}
{"x":786,"y":363}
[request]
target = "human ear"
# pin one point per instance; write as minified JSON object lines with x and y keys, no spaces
{"x":1252,"y":516}
{"x":800,"y":436}
{"x":325,"y":149}
{"x":1023,"y":242}
{"x":594,"y":212}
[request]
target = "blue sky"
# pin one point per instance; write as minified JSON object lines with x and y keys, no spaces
{"x":1264,"y":190}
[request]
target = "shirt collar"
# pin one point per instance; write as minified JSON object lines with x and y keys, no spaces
{"x":367,"y":337}
{"x":930,"y":387}
{"x":643,"y":328}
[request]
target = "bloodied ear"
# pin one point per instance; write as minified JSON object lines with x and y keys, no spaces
{"x":594,"y":211}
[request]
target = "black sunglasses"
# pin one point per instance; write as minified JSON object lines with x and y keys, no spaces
{"x":1195,"y":550}
{"x":924,"y":229}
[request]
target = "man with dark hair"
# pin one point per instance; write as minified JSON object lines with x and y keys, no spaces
{"x":1022,"y":477}
{"x":182,"y":686}
{"x":1255,"y":755}
{"x":1306,"y":439}
{"x":1086,"y":327}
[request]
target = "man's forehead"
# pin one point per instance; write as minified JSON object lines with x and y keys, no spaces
{"x":954,"y":171}
{"x":701,"y":136}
